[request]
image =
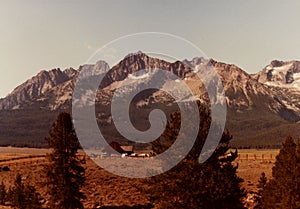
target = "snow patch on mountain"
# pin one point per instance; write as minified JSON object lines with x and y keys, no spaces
{"x":136,"y":76}
{"x":281,"y":74}
{"x":276,"y":87}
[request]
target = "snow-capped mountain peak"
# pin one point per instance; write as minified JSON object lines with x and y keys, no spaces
{"x":281,"y":74}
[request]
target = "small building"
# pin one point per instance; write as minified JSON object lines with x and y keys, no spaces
{"x":113,"y":145}
{"x":127,"y":149}
{"x":117,"y":147}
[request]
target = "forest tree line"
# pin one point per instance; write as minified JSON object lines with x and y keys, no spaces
{"x":213,"y":184}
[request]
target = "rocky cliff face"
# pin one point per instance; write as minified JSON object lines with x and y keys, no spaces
{"x":48,"y":89}
{"x":58,"y":85}
{"x":245,"y":92}
{"x":262,"y":105}
{"x":284,"y":79}
{"x":139,"y":61}
{"x":281,"y":74}
{"x":267,"y":89}
{"x":36,"y":87}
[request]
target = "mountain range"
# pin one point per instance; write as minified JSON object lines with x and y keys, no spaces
{"x":263,"y":108}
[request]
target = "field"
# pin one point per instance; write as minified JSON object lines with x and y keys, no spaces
{"x":252,"y":163}
{"x":11,"y":152}
{"x":111,"y":190}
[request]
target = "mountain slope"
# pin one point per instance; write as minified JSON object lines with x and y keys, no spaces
{"x":35,"y":87}
{"x":259,"y":113}
{"x":281,"y":74}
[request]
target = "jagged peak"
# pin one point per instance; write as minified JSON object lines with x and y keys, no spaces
{"x":223,"y":67}
{"x":101,"y":64}
{"x":52,"y":71}
{"x":133,"y":62}
{"x":138,"y":53}
{"x":196,"y":61}
{"x":276,"y":63}
{"x":280,"y":63}
{"x":70,"y":71}
{"x":278,"y":73}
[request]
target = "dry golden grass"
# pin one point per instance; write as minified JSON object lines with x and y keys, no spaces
{"x":13,"y":152}
{"x":108,"y":189}
{"x":101,"y":187}
{"x":252,"y":162}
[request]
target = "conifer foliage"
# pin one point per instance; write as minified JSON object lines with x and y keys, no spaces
{"x":65,"y":174}
{"x":259,"y":199}
{"x":213,"y":184}
{"x":23,"y":196}
{"x":3,"y":194}
{"x":283,"y":189}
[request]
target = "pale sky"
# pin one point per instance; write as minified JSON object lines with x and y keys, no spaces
{"x":45,"y":34}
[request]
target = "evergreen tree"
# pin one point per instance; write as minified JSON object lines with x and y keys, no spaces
{"x":17,"y":194}
{"x":262,"y":182}
{"x":282,"y":191}
{"x":210,"y":185}
{"x":24,"y":196}
{"x":32,"y":197}
{"x":65,"y":174}
{"x":3,"y":194}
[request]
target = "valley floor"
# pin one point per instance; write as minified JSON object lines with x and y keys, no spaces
{"x":103,"y":188}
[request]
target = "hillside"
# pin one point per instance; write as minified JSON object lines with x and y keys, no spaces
{"x":262,"y":109}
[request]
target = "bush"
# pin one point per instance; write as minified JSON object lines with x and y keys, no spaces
{"x":23,"y":196}
{"x":3,"y":194}
{"x":283,"y":189}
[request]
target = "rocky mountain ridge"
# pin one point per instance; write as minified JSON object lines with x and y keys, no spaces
{"x":281,"y":74}
{"x":35,"y":87}
{"x":254,"y":101}
{"x":235,"y":80}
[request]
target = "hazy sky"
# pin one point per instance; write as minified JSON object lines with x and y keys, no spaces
{"x":44,"y":34}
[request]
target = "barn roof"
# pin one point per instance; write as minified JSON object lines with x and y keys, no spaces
{"x":127,"y":148}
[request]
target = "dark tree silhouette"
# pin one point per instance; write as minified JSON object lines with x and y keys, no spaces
{"x":23,"y":196}
{"x":259,"y":199}
{"x":65,"y":174}
{"x":3,"y":194}
{"x":283,"y":189}
{"x":210,"y":185}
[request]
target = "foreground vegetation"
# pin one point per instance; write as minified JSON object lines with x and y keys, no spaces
{"x":213,"y":184}
{"x":64,"y":173}
{"x":282,"y":191}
